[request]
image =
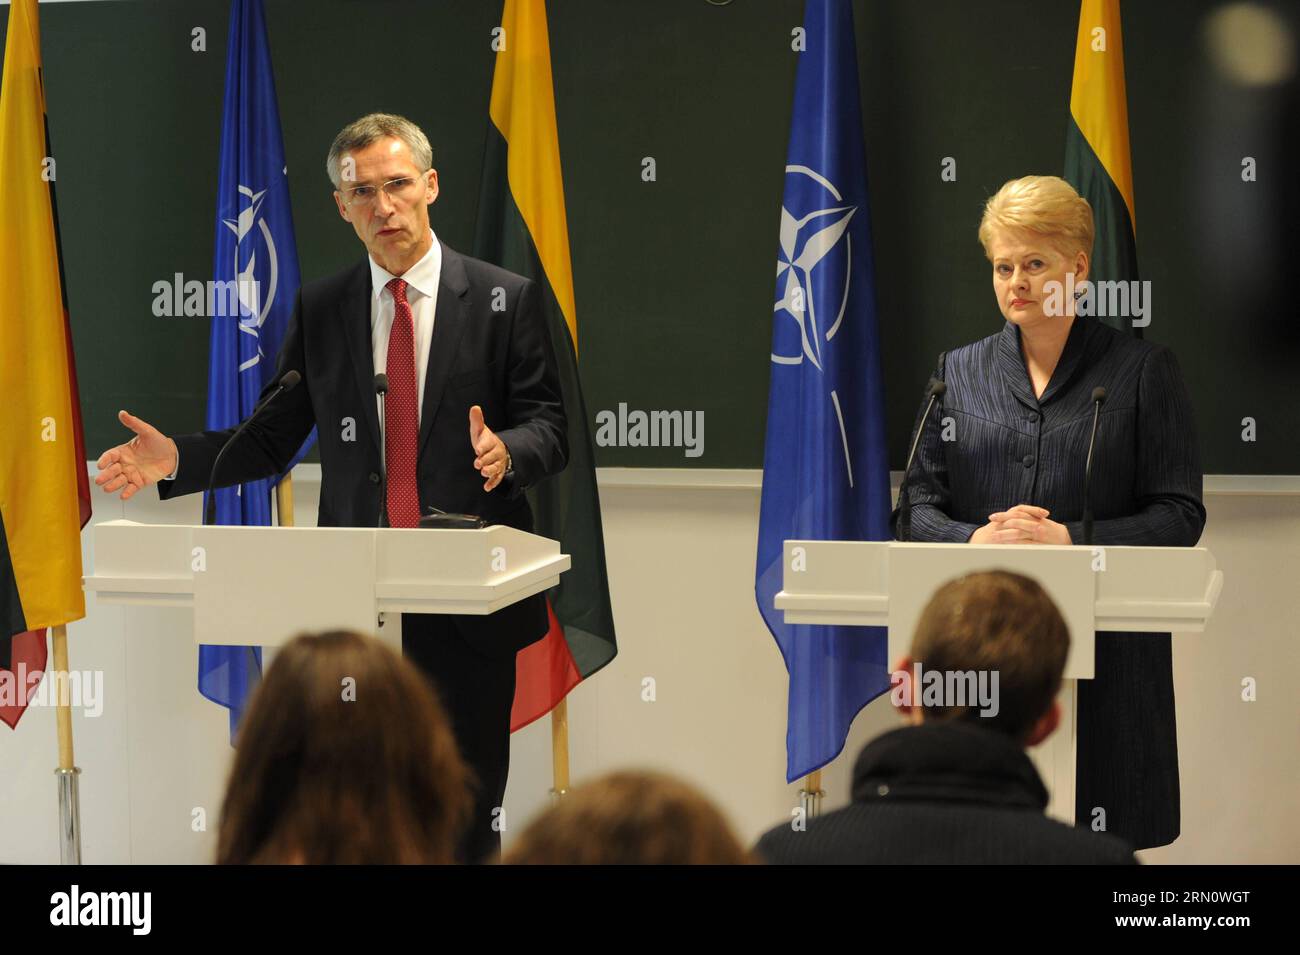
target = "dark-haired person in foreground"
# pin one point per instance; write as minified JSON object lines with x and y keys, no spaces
{"x":345,"y":757}
{"x":956,"y":786}
{"x":630,"y":818}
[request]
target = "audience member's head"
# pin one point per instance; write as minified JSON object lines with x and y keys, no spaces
{"x":993,"y":622}
{"x":630,"y":818}
{"x":344,"y":756}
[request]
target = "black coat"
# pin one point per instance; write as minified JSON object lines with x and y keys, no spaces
{"x":501,"y":360}
{"x":942,"y":792}
{"x":1009,"y":448}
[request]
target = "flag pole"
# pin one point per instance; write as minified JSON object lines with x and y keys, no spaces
{"x":811,"y":795}
{"x":67,"y":773}
{"x":284,"y":501}
{"x":560,"y":750}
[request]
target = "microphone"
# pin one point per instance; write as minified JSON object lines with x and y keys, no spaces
{"x":441,"y":520}
{"x":1098,"y":399}
{"x":936,"y":391}
{"x":381,"y":389}
{"x":287,"y":383}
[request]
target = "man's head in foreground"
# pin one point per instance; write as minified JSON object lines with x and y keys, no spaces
{"x":994,"y":624}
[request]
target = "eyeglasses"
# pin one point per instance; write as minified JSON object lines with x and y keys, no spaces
{"x":404,"y":188}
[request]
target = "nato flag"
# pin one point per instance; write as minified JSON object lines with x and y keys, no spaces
{"x":257,"y":259}
{"x":825,"y":470}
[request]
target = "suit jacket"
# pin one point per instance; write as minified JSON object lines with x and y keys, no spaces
{"x":501,"y":360}
{"x":1010,"y":447}
{"x":946,"y":792}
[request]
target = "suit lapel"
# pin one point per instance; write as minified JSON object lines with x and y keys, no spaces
{"x":355,"y":318}
{"x":1012,"y":365}
{"x":1070,"y":357}
{"x":450,"y":317}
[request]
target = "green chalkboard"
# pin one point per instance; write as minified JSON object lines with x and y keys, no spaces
{"x":675,"y":277}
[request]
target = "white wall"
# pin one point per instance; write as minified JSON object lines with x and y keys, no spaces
{"x":681,"y":567}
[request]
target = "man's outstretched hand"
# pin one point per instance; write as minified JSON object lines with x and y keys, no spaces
{"x":146,"y":459}
{"x":490,"y":454}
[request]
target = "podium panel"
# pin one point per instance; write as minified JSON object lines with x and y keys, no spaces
{"x":475,"y":572}
{"x":260,"y":586}
{"x":888,"y":583}
{"x":256,"y":586}
{"x":917,"y":570}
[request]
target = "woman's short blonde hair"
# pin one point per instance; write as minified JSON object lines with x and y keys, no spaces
{"x":1045,"y":205}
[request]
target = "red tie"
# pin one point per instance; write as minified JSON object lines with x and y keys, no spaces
{"x":401,"y":415}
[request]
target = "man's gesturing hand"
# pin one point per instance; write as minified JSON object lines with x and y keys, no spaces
{"x":147,"y":458}
{"x":490,"y":454}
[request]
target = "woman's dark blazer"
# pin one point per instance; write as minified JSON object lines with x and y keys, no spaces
{"x":1006,"y":447}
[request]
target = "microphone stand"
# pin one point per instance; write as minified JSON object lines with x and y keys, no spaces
{"x":381,"y":389}
{"x":1098,"y":398}
{"x":287,"y":383}
{"x":936,"y":390}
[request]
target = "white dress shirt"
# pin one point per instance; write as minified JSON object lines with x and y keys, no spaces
{"x":422,"y":295}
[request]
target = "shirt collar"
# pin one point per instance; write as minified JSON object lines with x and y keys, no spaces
{"x":952,"y":760}
{"x":422,"y":276}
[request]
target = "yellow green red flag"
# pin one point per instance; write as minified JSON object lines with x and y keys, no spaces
{"x":522,"y":226}
{"x":1097,"y":159}
{"x":44,"y":487}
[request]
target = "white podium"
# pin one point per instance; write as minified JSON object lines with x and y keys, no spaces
{"x":260,"y":586}
{"x":887,"y":584}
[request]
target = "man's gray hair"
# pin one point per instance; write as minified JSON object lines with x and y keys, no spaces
{"x":370,"y":129}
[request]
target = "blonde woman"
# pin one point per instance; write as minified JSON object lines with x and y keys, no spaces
{"x":1010,"y":470}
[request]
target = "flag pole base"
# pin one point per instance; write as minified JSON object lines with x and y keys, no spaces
{"x":810,"y":797}
{"x":557,"y":794}
{"x":69,"y":816}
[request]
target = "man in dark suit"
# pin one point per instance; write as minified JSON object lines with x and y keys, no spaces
{"x":956,"y":785}
{"x":472,"y":417}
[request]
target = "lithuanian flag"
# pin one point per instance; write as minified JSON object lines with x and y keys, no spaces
{"x":44,"y":487}
{"x":522,"y":227}
{"x":1097,"y":161}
